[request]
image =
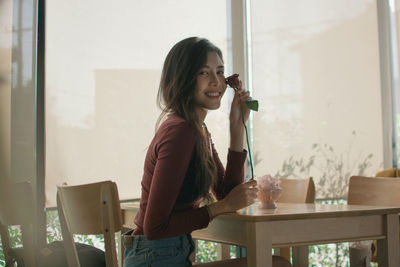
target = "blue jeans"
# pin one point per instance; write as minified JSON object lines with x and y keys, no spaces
{"x":174,"y":251}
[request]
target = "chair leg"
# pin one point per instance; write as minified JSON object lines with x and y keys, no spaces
{"x":300,"y":256}
{"x":29,"y":249}
{"x":109,"y":227}
{"x":111,"y":249}
{"x":224,"y":252}
{"x":285,"y":253}
{"x":120,"y":249}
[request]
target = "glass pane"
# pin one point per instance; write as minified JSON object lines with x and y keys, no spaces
{"x":396,"y":93}
{"x":316,"y":74}
{"x":5,"y":87}
{"x":102,"y":73}
{"x":17,"y":89}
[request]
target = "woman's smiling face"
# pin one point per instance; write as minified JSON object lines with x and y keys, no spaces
{"x":210,"y":85}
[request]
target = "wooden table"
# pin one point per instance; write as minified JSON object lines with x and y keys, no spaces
{"x":298,"y":225}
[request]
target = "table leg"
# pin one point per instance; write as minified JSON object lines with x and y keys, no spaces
{"x":388,"y":249}
{"x":223,"y":251}
{"x":259,"y":247}
{"x":300,"y":256}
{"x":120,"y":248}
{"x":29,"y":248}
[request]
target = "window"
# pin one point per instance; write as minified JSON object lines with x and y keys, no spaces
{"x":103,"y":67}
{"x":316,"y":73}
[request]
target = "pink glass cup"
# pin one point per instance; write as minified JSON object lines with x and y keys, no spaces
{"x":267,"y":197}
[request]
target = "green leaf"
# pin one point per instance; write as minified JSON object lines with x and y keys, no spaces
{"x":252,"y":104}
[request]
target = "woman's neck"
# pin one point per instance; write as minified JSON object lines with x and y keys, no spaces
{"x":201,"y":114}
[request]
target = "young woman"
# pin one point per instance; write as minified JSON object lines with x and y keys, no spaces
{"x":182,"y":167}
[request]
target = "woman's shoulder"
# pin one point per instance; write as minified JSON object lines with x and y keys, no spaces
{"x":175,"y":124}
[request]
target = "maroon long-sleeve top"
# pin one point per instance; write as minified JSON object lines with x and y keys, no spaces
{"x":169,"y":205}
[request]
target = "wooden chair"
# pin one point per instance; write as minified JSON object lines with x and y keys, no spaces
{"x":17,"y":208}
{"x":296,"y":191}
{"x":392,"y":172}
{"x":374,"y":191}
{"x":90,"y":209}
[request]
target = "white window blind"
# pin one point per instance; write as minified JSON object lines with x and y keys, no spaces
{"x":316,"y":73}
{"x":103,"y":65}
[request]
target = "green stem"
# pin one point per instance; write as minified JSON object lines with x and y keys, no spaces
{"x":247,"y":141}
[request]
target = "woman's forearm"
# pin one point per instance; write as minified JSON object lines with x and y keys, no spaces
{"x":217,"y":208}
{"x":237,"y":137}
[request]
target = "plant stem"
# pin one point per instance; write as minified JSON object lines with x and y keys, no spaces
{"x":247,"y":141}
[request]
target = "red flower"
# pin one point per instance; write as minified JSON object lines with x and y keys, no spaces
{"x":233,"y":80}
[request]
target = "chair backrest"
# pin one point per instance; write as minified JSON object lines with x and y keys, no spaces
{"x":392,"y":172}
{"x":297,"y":191}
{"x":17,"y":208}
{"x":374,"y":191}
{"x":89,"y":209}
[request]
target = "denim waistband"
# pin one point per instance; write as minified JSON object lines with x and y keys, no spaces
{"x":140,"y":241}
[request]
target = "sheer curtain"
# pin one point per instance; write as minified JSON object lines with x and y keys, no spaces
{"x":316,"y":73}
{"x":103,"y":64}
{"x":5,"y":88}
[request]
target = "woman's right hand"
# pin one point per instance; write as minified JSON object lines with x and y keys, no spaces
{"x":241,"y":196}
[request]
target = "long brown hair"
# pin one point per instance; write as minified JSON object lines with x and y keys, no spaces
{"x":176,"y":95}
